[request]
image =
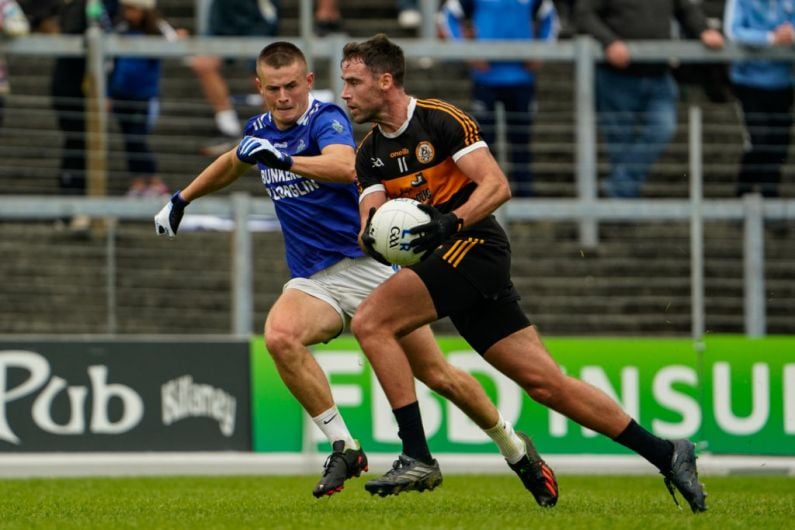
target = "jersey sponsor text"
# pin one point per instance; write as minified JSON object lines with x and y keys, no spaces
{"x":282,"y":184}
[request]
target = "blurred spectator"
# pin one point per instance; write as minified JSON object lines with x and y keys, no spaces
{"x":409,"y":16}
{"x":134,"y":87}
{"x":13,"y":23}
{"x":636,"y":102}
{"x":511,"y":83}
{"x":42,"y":15}
{"x":764,"y":89}
{"x":231,"y":18}
{"x":709,"y":78}
{"x":328,"y":18}
{"x":68,"y":98}
{"x":565,"y":9}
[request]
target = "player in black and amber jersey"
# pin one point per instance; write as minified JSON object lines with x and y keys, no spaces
{"x":432,"y":151}
{"x":419,"y":164}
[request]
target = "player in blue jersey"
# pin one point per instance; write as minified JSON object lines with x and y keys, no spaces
{"x":304,"y":150}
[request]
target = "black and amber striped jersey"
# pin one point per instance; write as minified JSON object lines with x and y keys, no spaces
{"x":418,"y":160}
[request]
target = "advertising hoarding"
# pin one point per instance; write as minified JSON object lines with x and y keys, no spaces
{"x":735,"y":395}
{"x":124,"y":395}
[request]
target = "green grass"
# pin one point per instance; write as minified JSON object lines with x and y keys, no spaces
{"x":463,"y":502}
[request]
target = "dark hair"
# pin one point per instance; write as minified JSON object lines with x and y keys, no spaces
{"x":281,"y":53}
{"x":379,"y":55}
{"x":150,"y":22}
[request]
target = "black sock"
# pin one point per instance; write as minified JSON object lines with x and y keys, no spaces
{"x":412,"y":433}
{"x":656,"y":450}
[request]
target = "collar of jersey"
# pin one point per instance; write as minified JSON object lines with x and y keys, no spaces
{"x":402,"y":128}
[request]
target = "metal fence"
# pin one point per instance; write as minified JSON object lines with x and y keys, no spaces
{"x":586,"y":209}
{"x":583,"y":53}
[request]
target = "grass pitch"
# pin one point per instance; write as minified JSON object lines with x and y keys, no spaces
{"x":462,"y":502}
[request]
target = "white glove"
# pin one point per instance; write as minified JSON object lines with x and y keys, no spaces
{"x":167,"y":220}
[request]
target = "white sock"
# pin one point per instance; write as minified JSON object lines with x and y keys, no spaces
{"x":511,"y":446}
{"x":333,"y":426}
{"x":228,"y":122}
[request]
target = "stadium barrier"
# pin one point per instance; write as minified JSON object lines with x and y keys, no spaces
{"x":734,"y":395}
{"x":85,"y":406}
{"x":72,"y":394}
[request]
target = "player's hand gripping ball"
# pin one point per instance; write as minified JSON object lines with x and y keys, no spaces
{"x":389,"y":229}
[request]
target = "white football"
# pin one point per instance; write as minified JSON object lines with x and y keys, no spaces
{"x":389,"y":228}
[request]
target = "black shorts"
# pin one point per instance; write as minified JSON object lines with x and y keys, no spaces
{"x":469,"y":279}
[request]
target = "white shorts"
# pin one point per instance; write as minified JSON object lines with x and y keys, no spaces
{"x":344,"y":285}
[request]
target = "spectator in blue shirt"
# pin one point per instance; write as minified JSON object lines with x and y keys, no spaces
{"x":512,"y":83}
{"x":764,"y":89}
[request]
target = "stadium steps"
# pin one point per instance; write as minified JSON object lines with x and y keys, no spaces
{"x":56,"y":283}
{"x":639,"y":277}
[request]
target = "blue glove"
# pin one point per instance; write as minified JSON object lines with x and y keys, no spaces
{"x":167,"y":220}
{"x":252,"y":150}
{"x":434,"y":232}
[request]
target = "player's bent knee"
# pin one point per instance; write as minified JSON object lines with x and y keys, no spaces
{"x":541,"y":390}
{"x":281,"y":345}
{"x":363,"y":327}
{"x":357,"y":326}
{"x":541,"y":395}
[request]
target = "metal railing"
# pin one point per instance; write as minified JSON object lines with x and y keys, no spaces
{"x":753,"y":210}
{"x":583,"y":52}
{"x":587,"y":209}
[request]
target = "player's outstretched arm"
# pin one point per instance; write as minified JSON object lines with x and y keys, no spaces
{"x":220,"y":173}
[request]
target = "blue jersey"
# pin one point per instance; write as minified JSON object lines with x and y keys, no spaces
{"x":751,"y":22}
{"x":320,"y":220}
{"x":501,"y":20}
